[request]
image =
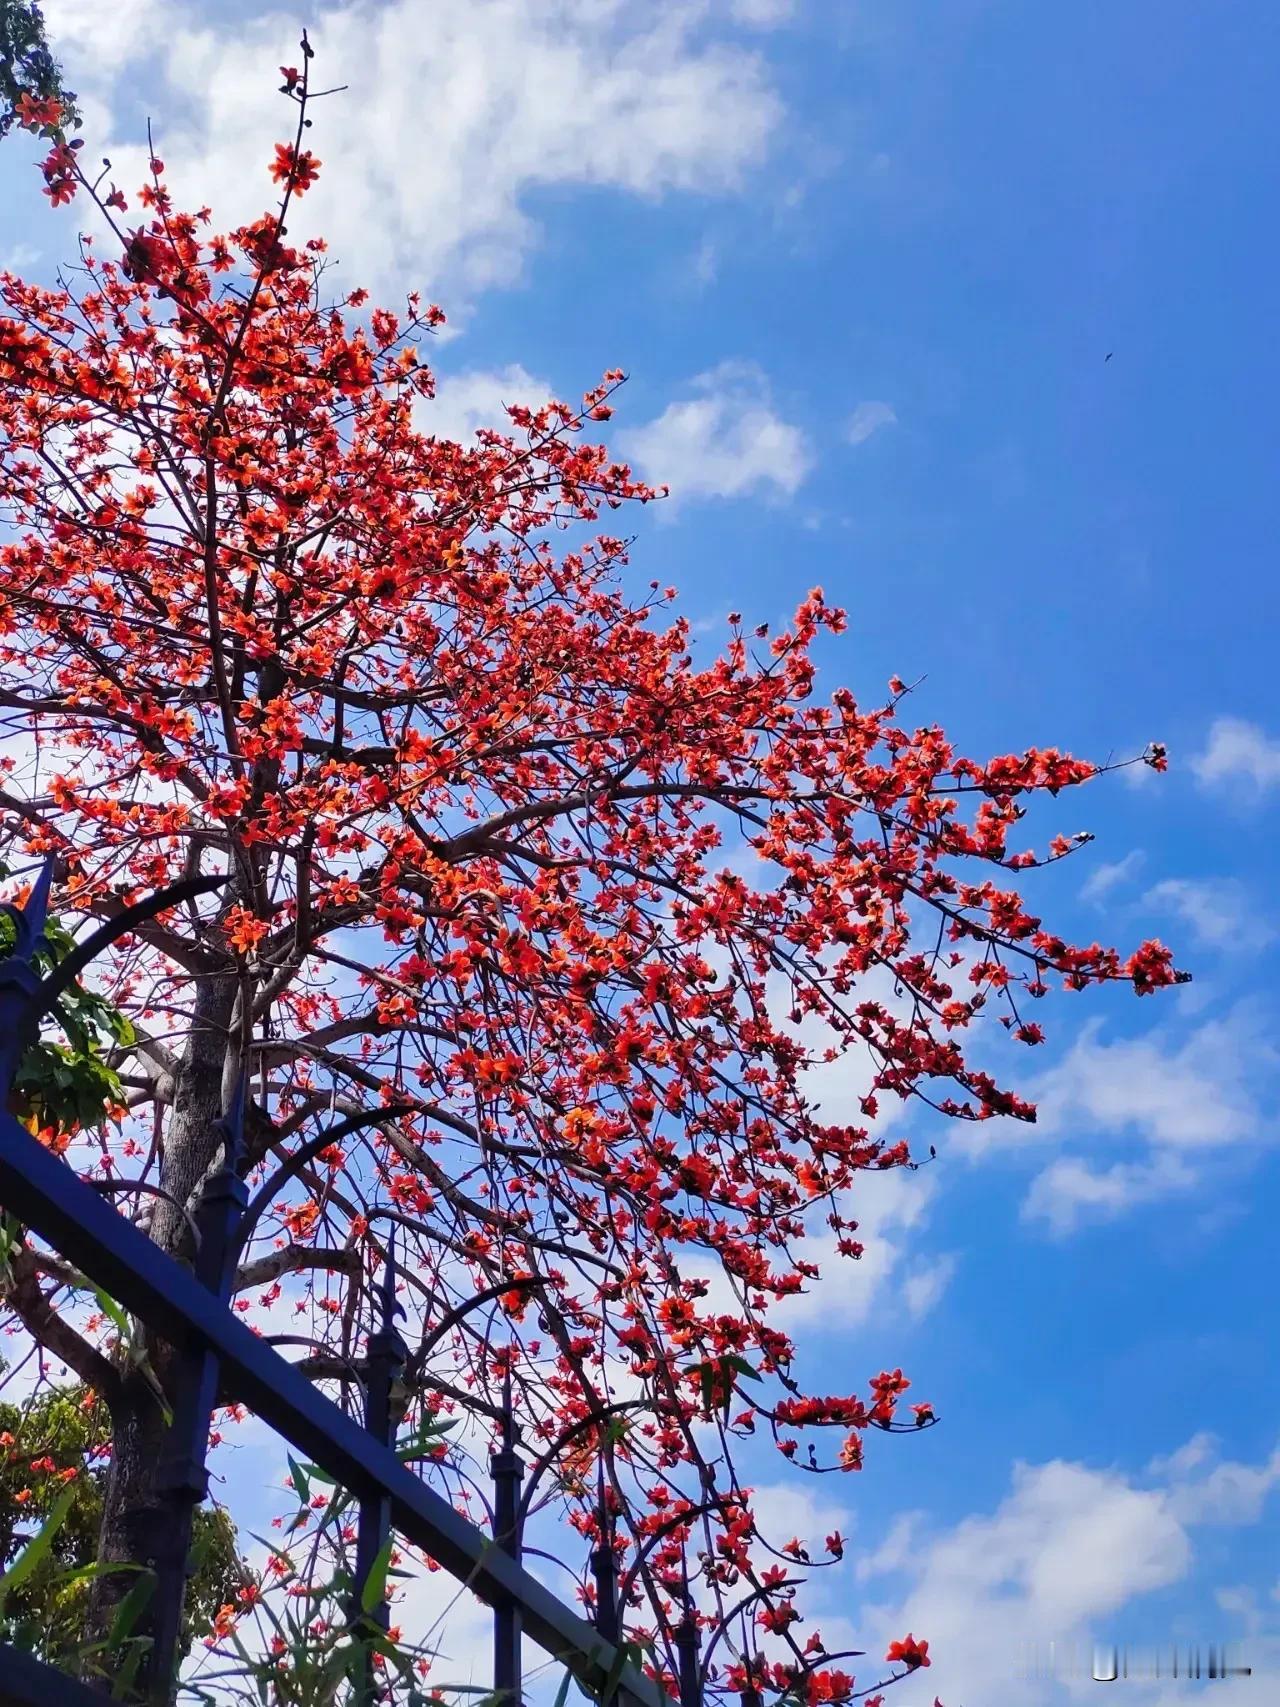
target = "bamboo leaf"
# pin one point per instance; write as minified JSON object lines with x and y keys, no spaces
{"x":131,"y":1608}
{"x":374,"y":1589}
{"x":113,"y":1311}
{"x":562,"y":1694}
{"x":299,"y":1477}
{"x":38,"y":1547}
{"x":128,"y":1670}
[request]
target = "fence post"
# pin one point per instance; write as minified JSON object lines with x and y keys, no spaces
{"x":182,"y":1478}
{"x":687,"y":1640}
{"x":604,"y":1568}
{"x":506,"y":1468}
{"x":385,"y":1358}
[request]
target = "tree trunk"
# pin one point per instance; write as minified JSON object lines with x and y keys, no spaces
{"x":138,"y":1525}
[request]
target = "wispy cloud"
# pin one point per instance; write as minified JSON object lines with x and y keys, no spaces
{"x":20,"y":258}
{"x":1241,"y":754}
{"x":867,"y":419}
{"x":1180,"y":1095}
{"x":762,"y":14}
{"x":1074,"y":1191}
{"x":706,"y":262}
{"x":465,"y":402}
{"x":1100,"y":883}
{"x":1204,"y":1489}
{"x":1218,"y":910}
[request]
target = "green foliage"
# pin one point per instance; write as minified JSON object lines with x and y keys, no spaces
{"x":27,"y":67}
{"x":51,"y":1462}
{"x":67,"y":1086}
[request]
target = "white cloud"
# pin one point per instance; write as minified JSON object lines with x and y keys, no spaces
{"x":706,"y":263}
{"x":867,"y":419}
{"x":455,"y":111}
{"x":761,"y":14}
{"x":1099,"y":884}
{"x":1069,"y":1545}
{"x":1179,"y":1464}
{"x":784,"y":1509}
{"x":1218,"y":910}
{"x":476,"y":398}
{"x":896,"y":1552}
{"x":924,"y":1287}
{"x":20,"y":258}
{"x":890,"y":1209}
{"x":94,"y":41}
{"x":1190,"y":1094}
{"x":1180,"y":1097}
{"x":1061,"y":1556}
{"x":1072,"y":1191}
{"x":724,"y":441}
{"x":1239,"y":752}
{"x":1225,"y":1492}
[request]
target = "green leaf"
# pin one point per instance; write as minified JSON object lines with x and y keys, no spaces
{"x":314,"y":1473}
{"x":128,"y":1670}
{"x":610,"y":1687}
{"x":426,"y":1436}
{"x":88,"y":1573}
{"x":38,"y":1547}
{"x":562,"y":1694}
{"x":131,"y":1608}
{"x":374,"y":1590}
{"x":113,"y":1311}
{"x":300,"y":1479}
{"x":120,"y":1027}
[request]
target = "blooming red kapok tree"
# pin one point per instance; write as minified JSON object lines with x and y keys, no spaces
{"x":584,"y":917}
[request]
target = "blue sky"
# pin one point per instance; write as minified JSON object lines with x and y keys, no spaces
{"x":864,"y":264}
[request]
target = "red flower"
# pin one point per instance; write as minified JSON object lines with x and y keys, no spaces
{"x":911,"y":1653}
{"x":38,"y":113}
{"x":297,"y":171}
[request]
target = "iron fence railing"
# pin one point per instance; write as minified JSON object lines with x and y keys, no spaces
{"x":220,"y":1358}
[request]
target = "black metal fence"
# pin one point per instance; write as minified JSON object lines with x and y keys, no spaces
{"x":220,"y":1358}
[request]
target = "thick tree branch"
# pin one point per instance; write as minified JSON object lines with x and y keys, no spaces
{"x":293,"y":1260}
{"x":27,"y":1301}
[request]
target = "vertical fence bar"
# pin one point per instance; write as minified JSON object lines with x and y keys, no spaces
{"x":506,"y":1468}
{"x":604,"y":1568}
{"x":385,"y":1359}
{"x":182,"y":1478}
{"x":687,"y":1642}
